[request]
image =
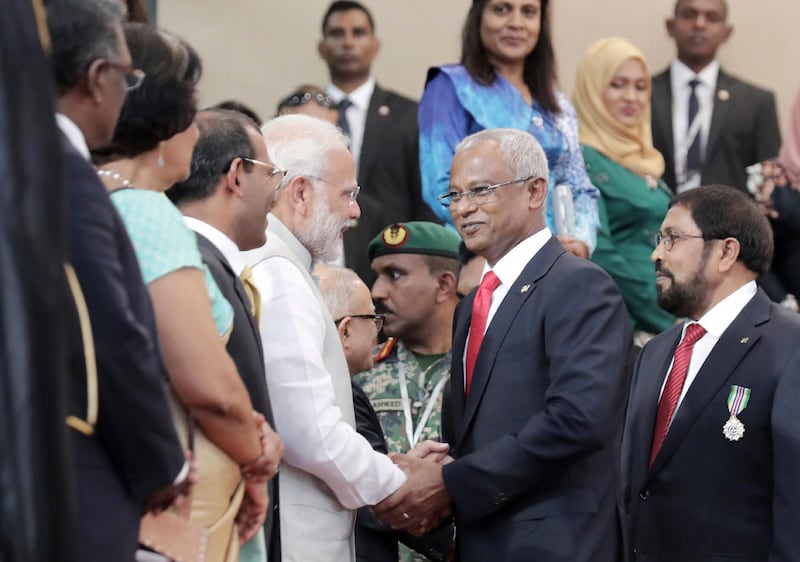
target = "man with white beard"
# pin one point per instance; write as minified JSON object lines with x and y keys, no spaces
{"x":328,"y":469}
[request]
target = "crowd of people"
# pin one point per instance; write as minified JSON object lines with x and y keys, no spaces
{"x":544,"y":329}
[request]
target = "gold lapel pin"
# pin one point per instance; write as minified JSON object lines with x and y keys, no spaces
{"x":744,"y":340}
{"x":524,"y":288}
{"x":724,"y":95}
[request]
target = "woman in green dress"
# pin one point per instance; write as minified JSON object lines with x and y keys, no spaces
{"x":612,"y":100}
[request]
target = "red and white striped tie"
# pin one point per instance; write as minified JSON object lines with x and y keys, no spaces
{"x":674,"y":386}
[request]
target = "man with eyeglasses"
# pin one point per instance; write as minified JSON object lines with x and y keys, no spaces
{"x":382,"y":126}
{"x":226,"y":200}
{"x":710,"y":451}
{"x":329,"y":470}
{"x":127,"y":456}
{"x":537,"y":382}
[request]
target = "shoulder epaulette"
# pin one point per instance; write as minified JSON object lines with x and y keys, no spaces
{"x":386,"y":349}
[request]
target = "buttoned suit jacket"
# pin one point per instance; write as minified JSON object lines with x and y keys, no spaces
{"x":744,"y":130}
{"x":244,"y":347}
{"x":134,"y":450}
{"x":388,"y":173}
{"x":706,"y":498}
{"x":534,"y":475}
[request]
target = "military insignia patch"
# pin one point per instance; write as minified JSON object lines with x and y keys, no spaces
{"x":395,"y":235}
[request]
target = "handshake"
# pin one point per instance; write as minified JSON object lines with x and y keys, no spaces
{"x":422,"y":502}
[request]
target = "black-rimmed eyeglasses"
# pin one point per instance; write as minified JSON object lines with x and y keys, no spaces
{"x":376,"y":318}
{"x":478,"y":195}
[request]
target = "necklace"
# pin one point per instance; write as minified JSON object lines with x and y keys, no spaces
{"x":114,"y":175}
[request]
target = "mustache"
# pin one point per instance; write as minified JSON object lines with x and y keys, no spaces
{"x":381,"y":308}
{"x":663,"y":271}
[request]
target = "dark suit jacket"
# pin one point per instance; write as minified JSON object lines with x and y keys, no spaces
{"x":534,"y":472}
{"x":707,"y":498}
{"x":135,"y":449}
{"x":244,"y":347}
{"x":744,"y":130}
{"x":388,"y":173}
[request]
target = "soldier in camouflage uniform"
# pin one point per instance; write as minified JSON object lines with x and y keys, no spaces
{"x":417,"y":267}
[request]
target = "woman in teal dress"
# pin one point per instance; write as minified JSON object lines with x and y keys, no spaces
{"x":151,"y":150}
{"x":612,"y":100}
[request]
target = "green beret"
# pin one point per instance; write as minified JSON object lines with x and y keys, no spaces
{"x":415,"y":237}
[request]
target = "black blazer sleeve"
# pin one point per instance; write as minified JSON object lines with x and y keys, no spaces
{"x":134,"y":424}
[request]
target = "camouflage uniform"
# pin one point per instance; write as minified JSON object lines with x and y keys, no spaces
{"x":382,"y":386}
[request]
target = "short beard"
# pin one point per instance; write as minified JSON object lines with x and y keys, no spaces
{"x":321,"y":235}
{"x":684,"y":299}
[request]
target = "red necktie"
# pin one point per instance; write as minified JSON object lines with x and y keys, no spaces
{"x":477,"y":325}
{"x":674,"y":386}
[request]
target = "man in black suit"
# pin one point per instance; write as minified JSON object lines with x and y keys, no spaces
{"x":711,"y":457}
{"x":736,"y":122}
{"x":382,"y":126}
{"x":225,"y":200}
{"x":536,"y":398}
{"x":128,"y":455}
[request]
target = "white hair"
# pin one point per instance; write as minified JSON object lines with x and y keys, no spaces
{"x":336,"y":285}
{"x":523,"y":152}
{"x":302,"y":144}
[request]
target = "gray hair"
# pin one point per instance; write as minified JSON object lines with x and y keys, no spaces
{"x":521,"y":149}
{"x":336,"y":285}
{"x":81,"y":31}
{"x":302,"y":144}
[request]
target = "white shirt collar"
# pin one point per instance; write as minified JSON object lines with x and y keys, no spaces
{"x":74,"y":134}
{"x":681,"y":75}
{"x":722,"y":314}
{"x":509,"y":267}
{"x":360,"y":96}
{"x":220,"y":241}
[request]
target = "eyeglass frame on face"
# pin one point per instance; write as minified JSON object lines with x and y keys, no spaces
{"x":352,"y":192}
{"x":378,"y":319}
{"x":133,"y":76}
{"x":668,"y":240}
{"x":478,"y":195}
{"x":275,"y":169}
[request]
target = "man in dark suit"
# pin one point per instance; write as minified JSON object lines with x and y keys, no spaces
{"x":126,"y":449}
{"x":736,"y":122}
{"x":536,"y":398}
{"x":225,"y":200}
{"x":382,"y":126}
{"x":711,"y":458}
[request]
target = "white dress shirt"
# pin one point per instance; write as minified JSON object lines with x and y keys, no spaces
{"x":507,"y":269}
{"x":356,"y":114}
{"x":221,"y":242}
{"x":680,"y":76}
{"x":308,"y":418}
{"x":715,"y":322}
{"x":74,"y":134}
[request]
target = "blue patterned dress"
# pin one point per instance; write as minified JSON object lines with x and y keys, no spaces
{"x":454,"y":106}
